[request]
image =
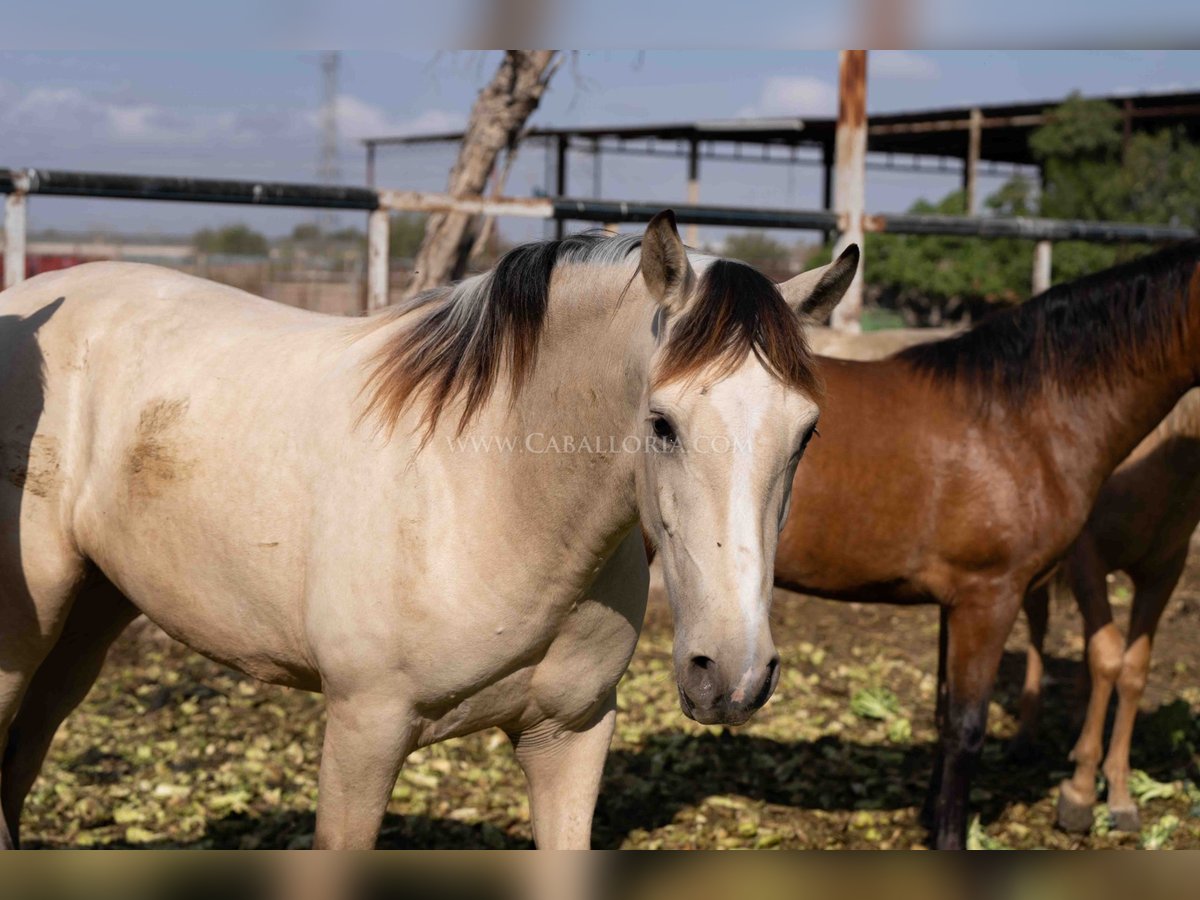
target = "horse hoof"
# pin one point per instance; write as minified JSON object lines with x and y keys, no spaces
{"x":1073,"y":815}
{"x":1126,"y":819}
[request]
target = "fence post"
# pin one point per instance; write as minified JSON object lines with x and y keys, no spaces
{"x":1041,"y":266}
{"x":14,"y":237}
{"x":377,"y":259}
{"x":850,"y":162}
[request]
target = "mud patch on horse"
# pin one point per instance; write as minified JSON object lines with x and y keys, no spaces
{"x":157,"y":459}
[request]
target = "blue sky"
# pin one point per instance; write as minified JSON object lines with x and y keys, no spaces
{"x":252,"y":114}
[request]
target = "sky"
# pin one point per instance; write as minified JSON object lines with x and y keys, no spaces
{"x":254,"y":114}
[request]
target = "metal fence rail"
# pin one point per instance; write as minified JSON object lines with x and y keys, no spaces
{"x":187,"y":190}
{"x":18,"y":184}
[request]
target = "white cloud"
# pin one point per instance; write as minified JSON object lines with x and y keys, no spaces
{"x":902,"y":64}
{"x":48,"y":113}
{"x":359,"y":119}
{"x":47,"y":110}
{"x":788,"y":95}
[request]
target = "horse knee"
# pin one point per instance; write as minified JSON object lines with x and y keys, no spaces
{"x":1106,"y":655}
{"x":968,"y":728}
{"x":1132,"y":680}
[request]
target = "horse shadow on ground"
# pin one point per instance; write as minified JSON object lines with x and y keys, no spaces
{"x":647,"y":787}
{"x":674,"y":770}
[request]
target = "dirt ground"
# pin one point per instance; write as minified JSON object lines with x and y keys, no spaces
{"x":171,"y":750}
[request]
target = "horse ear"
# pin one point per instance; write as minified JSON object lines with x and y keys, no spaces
{"x":665,"y":268}
{"x":814,"y":294}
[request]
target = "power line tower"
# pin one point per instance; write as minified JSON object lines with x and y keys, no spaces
{"x":327,"y":166}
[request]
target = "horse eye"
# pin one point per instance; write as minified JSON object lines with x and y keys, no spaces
{"x":807,"y":437}
{"x":663,"y":430}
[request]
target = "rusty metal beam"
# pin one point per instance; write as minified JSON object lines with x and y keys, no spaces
{"x":850,"y":171}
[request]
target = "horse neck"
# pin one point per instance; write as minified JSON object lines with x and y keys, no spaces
{"x":581,"y":401}
{"x":1098,"y":425}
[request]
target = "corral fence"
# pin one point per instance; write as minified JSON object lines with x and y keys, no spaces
{"x":20,"y":184}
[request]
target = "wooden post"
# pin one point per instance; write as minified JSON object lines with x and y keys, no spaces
{"x":370,"y":164}
{"x":14,"y":238}
{"x":1042,"y":252}
{"x":378,"y":233}
{"x":971,"y":162}
{"x":560,"y":182}
{"x":692,"y":233}
{"x":850,"y":160}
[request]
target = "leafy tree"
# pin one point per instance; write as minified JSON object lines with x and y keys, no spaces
{"x":306,"y":231}
{"x":1089,"y":172}
{"x":755,"y":247}
{"x":947,"y":276}
{"x":234,"y":240}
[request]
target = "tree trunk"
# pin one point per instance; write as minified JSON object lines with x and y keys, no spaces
{"x":497,"y":121}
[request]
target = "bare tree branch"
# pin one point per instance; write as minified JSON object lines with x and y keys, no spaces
{"x":496,"y":124}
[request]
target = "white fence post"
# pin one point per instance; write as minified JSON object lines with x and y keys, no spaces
{"x":14,"y":238}
{"x":377,"y":259}
{"x":1041,"y":266}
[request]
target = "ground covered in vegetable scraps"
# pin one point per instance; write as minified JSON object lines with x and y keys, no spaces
{"x":171,"y":750}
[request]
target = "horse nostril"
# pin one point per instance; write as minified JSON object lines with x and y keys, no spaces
{"x":768,"y":685}
{"x":701,"y":680}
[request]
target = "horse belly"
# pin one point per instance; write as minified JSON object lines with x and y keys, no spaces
{"x":216,"y":571}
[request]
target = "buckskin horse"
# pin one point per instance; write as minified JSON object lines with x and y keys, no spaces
{"x":373,"y":508}
{"x":959,"y":472}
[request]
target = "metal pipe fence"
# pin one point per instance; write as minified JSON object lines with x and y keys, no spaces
{"x":20,"y":184}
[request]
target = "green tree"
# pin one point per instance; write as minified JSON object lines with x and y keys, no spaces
{"x":760,"y":250}
{"x":306,"y":231}
{"x":1090,"y":172}
{"x":234,"y":240}
{"x":949,"y":274}
{"x":405,"y":236}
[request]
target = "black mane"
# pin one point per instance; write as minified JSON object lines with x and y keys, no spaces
{"x":1123,"y":321}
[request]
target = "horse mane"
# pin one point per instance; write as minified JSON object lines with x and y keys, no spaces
{"x":473,"y":330}
{"x":737,"y":311}
{"x":1122,"y":321}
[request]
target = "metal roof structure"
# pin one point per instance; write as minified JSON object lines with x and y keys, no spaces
{"x":991,"y":139}
{"x":1004,"y":130}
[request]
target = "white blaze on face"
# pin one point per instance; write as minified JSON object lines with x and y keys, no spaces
{"x":715,"y":506}
{"x":742,"y":412}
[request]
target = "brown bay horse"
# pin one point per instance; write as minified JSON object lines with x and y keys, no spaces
{"x":960,"y":472}
{"x":1142,"y":524}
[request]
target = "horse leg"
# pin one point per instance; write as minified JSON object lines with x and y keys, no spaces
{"x":1153,"y":592}
{"x":1077,"y":795}
{"x":368,"y":734}
{"x":929,"y":809}
{"x":1037,"y":615}
{"x":36,"y":594}
{"x":978,"y":625}
{"x":99,"y":614}
{"x":563,"y":768}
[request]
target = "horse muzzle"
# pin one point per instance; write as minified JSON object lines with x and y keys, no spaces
{"x":706,"y":696}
